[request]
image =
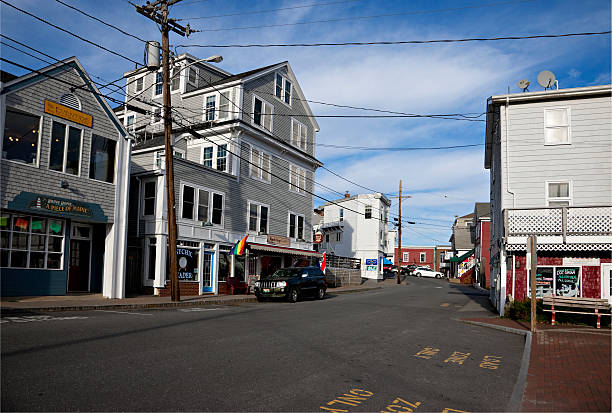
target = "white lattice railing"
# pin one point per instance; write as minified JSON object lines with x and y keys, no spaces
{"x":562,"y":221}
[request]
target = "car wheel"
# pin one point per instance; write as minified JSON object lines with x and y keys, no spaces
{"x":320,"y":293}
{"x":294,"y":295}
{"x":418,"y":274}
{"x":437,"y":275}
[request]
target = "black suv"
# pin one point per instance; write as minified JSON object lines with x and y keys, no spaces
{"x":292,"y":283}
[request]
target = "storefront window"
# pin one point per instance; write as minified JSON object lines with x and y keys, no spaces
{"x":224,"y":265}
{"x":239,"y":266}
{"x":102,"y":159}
{"x":560,"y":281}
{"x":31,"y":242}
{"x":20,"y":142}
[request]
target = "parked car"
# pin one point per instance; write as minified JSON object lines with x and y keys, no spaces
{"x":409,"y":269}
{"x":292,"y":283}
{"x":427,"y":272}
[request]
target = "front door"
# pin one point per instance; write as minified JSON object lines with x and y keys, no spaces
{"x":208,"y":263}
{"x":80,"y":257}
{"x":606,"y":282}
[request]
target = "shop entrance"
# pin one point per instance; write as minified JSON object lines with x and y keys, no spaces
{"x":79,"y":258}
{"x":208,"y":263}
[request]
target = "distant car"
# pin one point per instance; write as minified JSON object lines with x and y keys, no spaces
{"x":292,"y":283}
{"x":410,"y":269}
{"x":427,"y":272}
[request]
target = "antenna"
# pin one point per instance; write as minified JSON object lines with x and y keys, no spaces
{"x":546,"y":79}
{"x":523,"y":84}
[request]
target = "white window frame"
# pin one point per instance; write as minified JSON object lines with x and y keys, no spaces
{"x":265,"y":104}
{"x":153,"y":94}
{"x":161,"y":115}
{"x":338,"y":236}
{"x":38,"y":142}
{"x":227,"y":157}
{"x":127,"y":122}
{"x":297,"y":216}
{"x":283,"y":95}
{"x":214,"y":158}
{"x":256,"y":167}
{"x":214,"y":110}
{"x":136,"y":80}
{"x":405,"y":257}
{"x":196,"y":201}
{"x":66,"y":135}
{"x":300,"y":127}
{"x":195,"y":71}
{"x":568,"y":126}
{"x":365,"y":212}
{"x":159,"y":157}
{"x":300,"y":188}
{"x":567,"y":199}
{"x":248,"y":218}
{"x":142,"y":197}
{"x":422,"y":257}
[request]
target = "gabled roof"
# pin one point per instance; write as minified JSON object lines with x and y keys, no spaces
{"x":241,"y":76}
{"x":50,"y":72}
{"x":482,"y":210}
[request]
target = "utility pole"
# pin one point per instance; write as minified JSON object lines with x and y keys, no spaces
{"x":399,"y":231}
{"x":158,"y":12}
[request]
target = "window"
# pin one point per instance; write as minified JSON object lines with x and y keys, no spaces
{"x":422,"y":256}
{"x":368,"y":212}
{"x":21,"y":137}
{"x":129,"y":123}
{"x":405,"y":256}
{"x":148,"y":197}
{"x":210,"y":108}
{"x":65,"y":149}
{"x":139,"y":84}
{"x":192,"y":76}
{"x":326,"y":237}
{"x":296,"y":226}
{"x":102,"y":159}
{"x":262,"y":113}
{"x":282,"y":89}
{"x":224,"y":105}
{"x":297,"y":179}
{"x":557,"y":126}
{"x":207,"y":156}
{"x":157,"y":115}
{"x":159,"y":83}
{"x":196,"y":202}
{"x":260,"y":165}
{"x":31,"y":242}
{"x":341,"y":214}
{"x":298,"y":134}
{"x":258,"y":218}
{"x":175,"y":80}
{"x":558,"y":194}
{"x":222,"y":157}
{"x":338,"y":236}
{"x":160,"y":157}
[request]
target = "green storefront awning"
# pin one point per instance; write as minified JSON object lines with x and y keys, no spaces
{"x":57,"y":207}
{"x":462,"y":257}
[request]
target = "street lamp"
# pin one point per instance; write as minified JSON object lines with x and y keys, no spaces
{"x":214,"y":59}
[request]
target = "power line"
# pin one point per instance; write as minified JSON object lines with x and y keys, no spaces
{"x":266,"y":11}
{"x":101,"y":21}
{"x":339,"y":19}
{"x":373,"y":148}
{"x":473,"y":39}
{"x":71,"y":33}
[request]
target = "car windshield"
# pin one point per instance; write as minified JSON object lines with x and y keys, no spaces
{"x":287,"y":272}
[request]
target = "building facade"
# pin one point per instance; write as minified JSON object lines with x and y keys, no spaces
{"x":549,"y":155}
{"x":423,"y":256}
{"x":462,"y":243}
{"x":443,"y":254}
{"x":243,"y":164}
{"x":482,"y":243}
{"x":357,"y":227}
{"x":65,"y":180}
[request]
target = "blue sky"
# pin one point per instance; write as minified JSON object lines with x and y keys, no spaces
{"x":426,"y":79}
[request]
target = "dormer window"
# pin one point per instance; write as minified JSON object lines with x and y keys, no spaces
{"x":175,"y":80}
{"x":139,"y":84}
{"x":283,"y":89}
{"x":192,"y":76}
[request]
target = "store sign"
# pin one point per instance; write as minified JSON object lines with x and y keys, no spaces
{"x":279,"y":240}
{"x":318,"y":237}
{"x":372,"y":268}
{"x":567,"y":281}
{"x":371,"y":261}
{"x":590,"y":262}
{"x":60,"y":206}
{"x":187,"y":261}
{"x":67,"y":113}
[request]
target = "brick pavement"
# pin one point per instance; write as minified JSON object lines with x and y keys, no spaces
{"x":569,"y":368}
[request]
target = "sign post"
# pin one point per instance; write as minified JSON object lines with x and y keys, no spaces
{"x":532,"y":253}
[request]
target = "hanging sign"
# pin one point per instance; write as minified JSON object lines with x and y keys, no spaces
{"x":318,"y":237}
{"x":70,"y":114}
{"x":187,"y":261}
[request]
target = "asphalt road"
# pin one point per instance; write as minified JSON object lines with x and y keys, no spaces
{"x":399,"y":348}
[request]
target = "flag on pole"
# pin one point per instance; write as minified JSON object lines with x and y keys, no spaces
{"x":322,"y":263}
{"x":238,"y":249}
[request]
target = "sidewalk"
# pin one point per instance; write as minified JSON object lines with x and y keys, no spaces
{"x":569,"y":367}
{"x":85,"y":302}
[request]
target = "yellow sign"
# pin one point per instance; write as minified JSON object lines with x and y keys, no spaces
{"x":65,"y":112}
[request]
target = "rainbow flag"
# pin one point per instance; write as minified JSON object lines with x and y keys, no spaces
{"x":239,"y":247}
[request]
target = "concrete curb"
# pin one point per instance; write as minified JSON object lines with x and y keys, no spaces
{"x":521,"y":381}
{"x":5,"y":310}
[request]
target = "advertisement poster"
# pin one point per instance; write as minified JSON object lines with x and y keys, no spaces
{"x":567,"y":281}
{"x":544,"y":281}
{"x":187,"y":261}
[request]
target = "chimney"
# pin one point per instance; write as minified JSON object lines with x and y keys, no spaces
{"x":347,"y":195}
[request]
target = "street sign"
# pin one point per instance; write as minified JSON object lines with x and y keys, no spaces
{"x":371,"y":261}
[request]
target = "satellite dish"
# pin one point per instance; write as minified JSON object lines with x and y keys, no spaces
{"x":523,"y":84}
{"x":546,"y":79}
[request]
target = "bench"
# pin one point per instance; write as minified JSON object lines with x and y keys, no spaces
{"x":596,"y":304}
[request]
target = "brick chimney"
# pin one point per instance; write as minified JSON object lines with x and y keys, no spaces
{"x":347,"y":195}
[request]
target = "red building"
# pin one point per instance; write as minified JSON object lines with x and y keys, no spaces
{"x":431,"y":257}
{"x":482,"y":243}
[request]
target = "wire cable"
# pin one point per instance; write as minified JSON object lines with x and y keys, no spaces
{"x":473,"y":39}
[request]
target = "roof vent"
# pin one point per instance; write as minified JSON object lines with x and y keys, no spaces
{"x":71,"y":101}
